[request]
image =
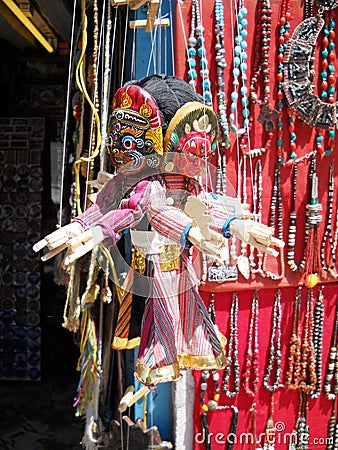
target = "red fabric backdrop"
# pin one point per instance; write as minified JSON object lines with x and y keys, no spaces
{"x":286,"y":402}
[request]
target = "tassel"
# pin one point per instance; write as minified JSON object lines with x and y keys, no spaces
{"x":71,"y":313}
{"x":92,"y":288}
{"x":90,"y":372}
{"x":106,"y":293}
{"x":312,"y":259}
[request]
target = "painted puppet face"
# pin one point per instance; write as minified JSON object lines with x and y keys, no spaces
{"x":192,"y":137}
{"x":135,"y":128}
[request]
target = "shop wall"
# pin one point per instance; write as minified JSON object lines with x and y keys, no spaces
{"x":286,"y":402}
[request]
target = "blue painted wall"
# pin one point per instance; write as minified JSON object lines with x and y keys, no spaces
{"x":150,"y":53}
{"x":159,"y":404}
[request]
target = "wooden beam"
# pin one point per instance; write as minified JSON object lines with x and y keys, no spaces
{"x":135,"y":4}
{"x":142,"y":23}
{"x":119,"y":2}
{"x":152,"y":12}
{"x":150,"y":22}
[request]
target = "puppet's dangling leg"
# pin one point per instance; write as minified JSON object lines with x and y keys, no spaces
{"x":177,"y":331}
{"x":157,"y":359}
{"x":200,"y":345}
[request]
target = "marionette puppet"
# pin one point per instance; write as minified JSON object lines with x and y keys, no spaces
{"x":161,"y":138}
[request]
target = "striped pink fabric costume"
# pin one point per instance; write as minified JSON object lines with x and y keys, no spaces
{"x":176,"y":330}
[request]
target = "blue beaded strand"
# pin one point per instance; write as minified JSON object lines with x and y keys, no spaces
{"x":239,"y":71}
{"x":196,"y":38}
{"x":221,"y":65}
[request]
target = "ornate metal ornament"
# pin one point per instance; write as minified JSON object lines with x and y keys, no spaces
{"x":298,"y":75}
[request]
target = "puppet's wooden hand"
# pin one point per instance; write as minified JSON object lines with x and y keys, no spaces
{"x":57,"y":241}
{"x":215,"y":247}
{"x":82,"y":244}
{"x":256,"y":234}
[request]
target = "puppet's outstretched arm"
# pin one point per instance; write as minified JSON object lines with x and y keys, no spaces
{"x":94,"y":225}
{"x":247,"y":230}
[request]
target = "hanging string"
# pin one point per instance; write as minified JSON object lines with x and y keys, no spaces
{"x":152,"y":51}
{"x":96,"y":57}
{"x":105,"y":89}
{"x":165,"y":51}
{"x":172,"y":36}
{"x":133,"y":56}
{"x":124,"y":47}
{"x":113,"y":46}
{"x":159,"y":51}
{"x":185,"y":36}
{"x":79,"y":75}
{"x":64,"y":149}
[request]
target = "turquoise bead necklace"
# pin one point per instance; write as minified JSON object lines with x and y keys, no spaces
{"x":327,"y":81}
{"x":239,"y":73}
{"x":192,"y":41}
{"x":196,"y":38}
{"x":221,"y":65}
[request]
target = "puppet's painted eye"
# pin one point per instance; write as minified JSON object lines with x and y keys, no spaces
{"x":128,"y":142}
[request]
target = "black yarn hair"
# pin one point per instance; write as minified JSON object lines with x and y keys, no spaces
{"x":169,"y":93}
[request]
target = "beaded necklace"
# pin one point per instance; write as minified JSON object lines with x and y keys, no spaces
{"x":221,"y":65}
{"x":269,"y":435}
{"x":192,"y":41}
{"x":210,"y":406}
{"x":331,"y":378}
{"x":197,"y":38}
{"x":335,"y":240}
{"x":232,"y":364}
{"x":313,"y":218}
{"x":276,"y":206}
{"x":308,"y":378}
{"x":274,"y":363}
{"x":318,"y":342}
{"x":251,"y":429}
{"x":242,"y":259}
{"x":284,"y":26}
{"x":257,"y":209}
{"x":294,"y":367}
{"x":231,"y":438}
{"x":239,"y":73}
{"x":332,"y":432}
{"x":275,"y":352}
{"x":251,"y":364}
{"x":300,"y":435}
{"x":301,"y":372}
{"x":327,"y":244}
{"x":327,"y":79}
{"x":212,"y":403}
{"x":261,"y":69}
{"x":292,"y":226}
{"x":221,"y":174}
{"x":329,"y":30}
{"x":308,"y":9}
